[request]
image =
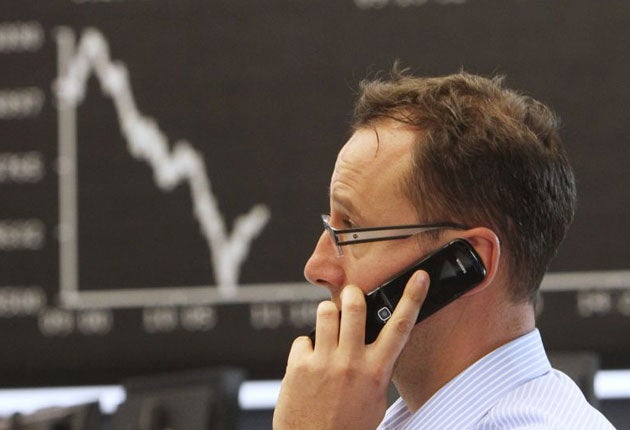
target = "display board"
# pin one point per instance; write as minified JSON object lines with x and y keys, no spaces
{"x":163,"y":165}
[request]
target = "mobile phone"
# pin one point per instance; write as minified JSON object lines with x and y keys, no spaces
{"x":453,"y":269}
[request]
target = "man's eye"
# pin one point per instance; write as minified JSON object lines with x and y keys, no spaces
{"x":347,"y":223}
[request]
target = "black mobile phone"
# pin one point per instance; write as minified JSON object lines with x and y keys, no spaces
{"x":453,"y":269}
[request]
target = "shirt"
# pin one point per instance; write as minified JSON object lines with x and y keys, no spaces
{"x":513,"y":387}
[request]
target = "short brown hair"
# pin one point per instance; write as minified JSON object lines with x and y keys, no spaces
{"x":486,"y":156}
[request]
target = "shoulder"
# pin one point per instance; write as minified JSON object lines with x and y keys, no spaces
{"x":549,"y":402}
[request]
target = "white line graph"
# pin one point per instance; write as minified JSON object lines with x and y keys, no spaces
{"x":145,"y":142}
{"x":183,"y":164}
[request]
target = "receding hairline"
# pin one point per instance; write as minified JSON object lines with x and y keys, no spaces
{"x":404,"y":185}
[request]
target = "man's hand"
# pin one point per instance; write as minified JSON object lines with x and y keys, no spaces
{"x":341,"y":383}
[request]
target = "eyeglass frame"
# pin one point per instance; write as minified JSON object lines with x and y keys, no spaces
{"x":373,"y":234}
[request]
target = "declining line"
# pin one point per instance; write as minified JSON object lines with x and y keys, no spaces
{"x":146,"y":142}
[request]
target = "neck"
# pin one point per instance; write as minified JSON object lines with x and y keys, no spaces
{"x":453,"y":339}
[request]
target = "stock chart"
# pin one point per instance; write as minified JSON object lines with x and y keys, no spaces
{"x":163,"y":165}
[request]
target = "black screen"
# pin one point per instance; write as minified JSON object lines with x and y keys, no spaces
{"x":137,"y":135}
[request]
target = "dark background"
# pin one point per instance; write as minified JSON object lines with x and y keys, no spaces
{"x":264,"y":90}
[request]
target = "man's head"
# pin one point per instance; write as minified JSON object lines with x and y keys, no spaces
{"x":366,"y":191}
{"x":484,"y":156}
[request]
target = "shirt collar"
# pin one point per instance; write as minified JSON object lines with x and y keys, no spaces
{"x":468,"y":396}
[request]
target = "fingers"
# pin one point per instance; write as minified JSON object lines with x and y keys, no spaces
{"x":353,"y":308}
{"x":327,"y":327}
{"x":394,"y":335}
{"x":347,"y":331}
{"x":350,"y":332}
{"x":301,"y":346}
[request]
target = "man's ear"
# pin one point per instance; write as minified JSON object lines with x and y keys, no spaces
{"x":488,"y":246}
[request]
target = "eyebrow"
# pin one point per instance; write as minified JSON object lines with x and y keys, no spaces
{"x":346,"y":204}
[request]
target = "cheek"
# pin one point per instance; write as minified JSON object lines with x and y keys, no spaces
{"x":366,"y":278}
{"x":360,"y":251}
{"x":370,"y":270}
{"x":377,"y":262}
{"x":366,"y":263}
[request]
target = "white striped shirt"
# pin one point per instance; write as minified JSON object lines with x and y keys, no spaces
{"x":513,"y":387}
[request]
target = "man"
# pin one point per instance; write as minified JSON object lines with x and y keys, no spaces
{"x":460,"y":150}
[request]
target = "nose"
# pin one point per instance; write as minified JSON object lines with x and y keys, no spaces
{"x":324,"y":267}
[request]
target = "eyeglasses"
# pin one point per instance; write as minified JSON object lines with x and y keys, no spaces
{"x":352,"y":236}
